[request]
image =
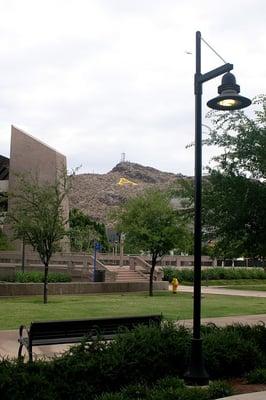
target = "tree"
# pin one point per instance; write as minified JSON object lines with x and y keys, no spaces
{"x":151,"y":225}
{"x":37,"y":216}
{"x":234,"y":192}
{"x":4,"y":242}
{"x":84,"y":231}
{"x":234,"y":195}
{"x":234,"y":215}
{"x":243,"y":140}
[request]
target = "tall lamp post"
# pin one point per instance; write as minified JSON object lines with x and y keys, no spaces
{"x":228,"y":99}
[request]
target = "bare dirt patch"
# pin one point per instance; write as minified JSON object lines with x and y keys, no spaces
{"x":241,"y":386}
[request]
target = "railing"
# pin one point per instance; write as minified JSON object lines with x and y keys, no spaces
{"x":109,"y":275}
{"x":137,"y":261}
{"x":86,"y":260}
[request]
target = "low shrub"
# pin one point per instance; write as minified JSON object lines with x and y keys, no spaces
{"x":219,"y":389}
{"x":126,"y":367}
{"x":19,"y":381}
{"x":171,"y":388}
{"x":217,"y":273}
{"x":38,"y":277}
{"x":255,"y":334}
{"x":170,"y":382}
{"x":137,"y":391}
{"x":228,"y":353}
{"x":145,"y":354}
{"x":195,"y":393}
{"x":257,"y":376}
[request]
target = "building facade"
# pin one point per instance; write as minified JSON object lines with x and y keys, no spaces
{"x":29,"y":157}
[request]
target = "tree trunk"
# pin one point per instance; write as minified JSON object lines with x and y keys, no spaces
{"x":23,"y":255}
{"x":153,"y":263}
{"x":45,"y":283}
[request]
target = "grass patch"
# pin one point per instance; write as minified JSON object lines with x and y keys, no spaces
{"x":23,"y":310}
{"x":257,"y":284}
{"x":248,"y":287}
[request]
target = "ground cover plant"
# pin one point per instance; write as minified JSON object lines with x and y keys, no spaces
{"x":141,"y":364}
{"x":216,"y":273}
{"x":257,"y":376}
{"x":38,"y":277}
{"x":170,"y":388}
{"x":15,"y":311}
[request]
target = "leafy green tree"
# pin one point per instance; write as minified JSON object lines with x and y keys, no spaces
{"x":234,"y":192}
{"x":4,"y":242}
{"x":234,"y":215}
{"x":84,"y":231}
{"x":151,"y":225}
{"x":242,"y":139}
{"x":37,"y":216}
{"x":234,"y":195}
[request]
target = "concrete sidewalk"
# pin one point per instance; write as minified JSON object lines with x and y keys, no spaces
{"x":247,"y":396}
{"x":223,"y":321}
{"x":224,"y":291}
{"x":9,"y":346}
{"x":9,"y":339}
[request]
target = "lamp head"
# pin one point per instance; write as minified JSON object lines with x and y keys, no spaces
{"x":229,"y":97}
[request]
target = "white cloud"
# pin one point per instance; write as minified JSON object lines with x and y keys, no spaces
{"x":94,"y":78}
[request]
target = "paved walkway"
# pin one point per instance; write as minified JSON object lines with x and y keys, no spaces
{"x":224,"y":291}
{"x":247,"y":396}
{"x":9,"y":339}
{"x":9,"y":344}
{"x":234,"y":319}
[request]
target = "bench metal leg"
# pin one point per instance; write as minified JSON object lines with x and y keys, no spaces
{"x":20,"y":351}
{"x":24,"y":341}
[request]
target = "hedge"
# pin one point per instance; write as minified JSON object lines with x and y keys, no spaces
{"x":187,"y":275}
{"x":38,"y":277}
{"x":141,"y":357}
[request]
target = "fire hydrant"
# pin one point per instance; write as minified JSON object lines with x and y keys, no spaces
{"x":175,"y":284}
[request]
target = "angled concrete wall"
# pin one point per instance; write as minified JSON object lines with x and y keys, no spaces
{"x":31,"y":157}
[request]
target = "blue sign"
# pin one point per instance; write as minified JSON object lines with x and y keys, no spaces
{"x":98,"y":246}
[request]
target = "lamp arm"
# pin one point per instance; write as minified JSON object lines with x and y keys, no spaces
{"x":215,"y":72}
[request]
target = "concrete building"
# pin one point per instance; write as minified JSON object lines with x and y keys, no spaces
{"x":31,"y":157}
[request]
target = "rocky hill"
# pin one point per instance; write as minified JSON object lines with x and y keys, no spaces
{"x":97,"y":194}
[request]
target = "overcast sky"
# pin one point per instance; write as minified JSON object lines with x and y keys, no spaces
{"x":97,"y":78}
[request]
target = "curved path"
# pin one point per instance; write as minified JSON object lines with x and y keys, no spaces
{"x":222,"y":290}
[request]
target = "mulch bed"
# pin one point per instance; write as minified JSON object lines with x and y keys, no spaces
{"x":241,"y":386}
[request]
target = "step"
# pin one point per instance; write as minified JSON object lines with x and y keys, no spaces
{"x":129,"y":276}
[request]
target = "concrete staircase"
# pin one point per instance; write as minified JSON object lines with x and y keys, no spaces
{"x":123,"y":274}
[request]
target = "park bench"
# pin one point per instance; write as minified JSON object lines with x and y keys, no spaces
{"x":75,"y":331}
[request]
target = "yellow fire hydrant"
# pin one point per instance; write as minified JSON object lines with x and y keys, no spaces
{"x":175,"y":284}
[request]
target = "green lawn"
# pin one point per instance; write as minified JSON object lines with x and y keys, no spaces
{"x":23,"y":310}
{"x":243,"y":284}
{"x":248,"y":287}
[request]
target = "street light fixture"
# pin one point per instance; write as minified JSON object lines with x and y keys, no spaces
{"x":228,"y":99}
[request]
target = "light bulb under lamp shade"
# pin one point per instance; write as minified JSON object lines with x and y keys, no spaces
{"x":228,"y":98}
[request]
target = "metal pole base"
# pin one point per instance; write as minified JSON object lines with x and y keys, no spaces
{"x":196,"y":374}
